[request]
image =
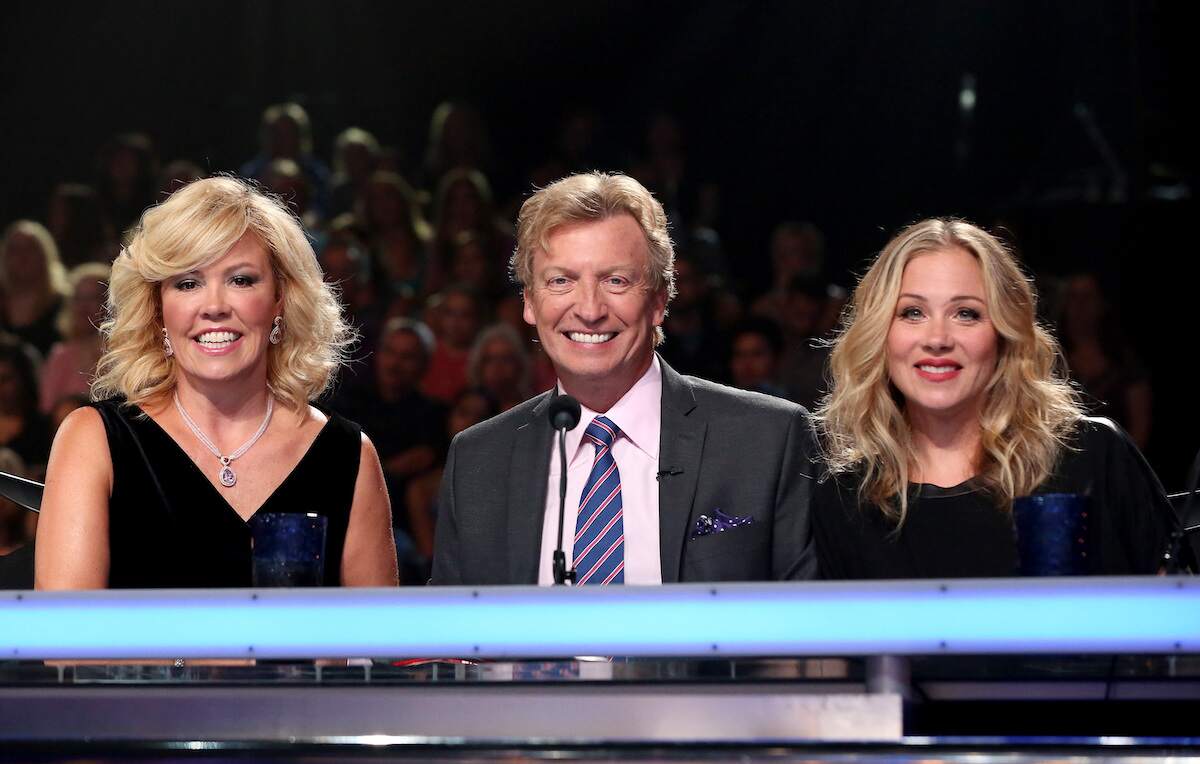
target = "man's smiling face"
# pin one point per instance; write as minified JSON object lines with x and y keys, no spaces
{"x":591,"y":301}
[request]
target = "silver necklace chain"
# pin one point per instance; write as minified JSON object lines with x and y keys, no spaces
{"x":227,"y":476}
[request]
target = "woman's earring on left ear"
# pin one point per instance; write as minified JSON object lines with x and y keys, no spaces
{"x":277,"y":331}
{"x":168,"y":351}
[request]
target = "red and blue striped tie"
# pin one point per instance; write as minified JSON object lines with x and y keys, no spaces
{"x":599,"y":531}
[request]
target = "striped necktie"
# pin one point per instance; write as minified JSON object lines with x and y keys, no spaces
{"x":599,"y":531}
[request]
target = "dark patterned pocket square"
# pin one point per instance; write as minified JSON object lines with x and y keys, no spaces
{"x":718,"y":523}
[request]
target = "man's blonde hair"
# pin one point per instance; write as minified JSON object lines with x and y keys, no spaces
{"x":595,"y":196}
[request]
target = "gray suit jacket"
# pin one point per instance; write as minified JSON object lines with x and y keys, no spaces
{"x":748,"y":455}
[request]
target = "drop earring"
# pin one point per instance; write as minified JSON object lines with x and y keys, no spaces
{"x":168,"y":351}
{"x":276,"y":335}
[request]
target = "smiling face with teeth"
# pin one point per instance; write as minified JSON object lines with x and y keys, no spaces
{"x":593,"y":307}
{"x":942,"y":347}
{"x":219,"y":316}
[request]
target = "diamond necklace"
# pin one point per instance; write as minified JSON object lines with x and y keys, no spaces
{"x":227,"y":476}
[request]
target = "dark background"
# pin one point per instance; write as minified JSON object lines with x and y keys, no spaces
{"x":843,"y":113}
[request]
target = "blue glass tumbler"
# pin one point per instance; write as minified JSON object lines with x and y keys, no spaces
{"x":288,"y":549}
{"x":1052,"y":534}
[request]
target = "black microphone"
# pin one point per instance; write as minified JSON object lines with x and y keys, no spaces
{"x":28,"y":493}
{"x":564,"y":414}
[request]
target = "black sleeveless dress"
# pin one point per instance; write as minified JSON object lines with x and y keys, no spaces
{"x":169,"y":527}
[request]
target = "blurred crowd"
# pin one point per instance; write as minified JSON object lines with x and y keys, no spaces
{"x":419,"y":249}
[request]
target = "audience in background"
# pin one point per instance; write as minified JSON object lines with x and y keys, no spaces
{"x":17,"y":526}
{"x":128,"y":179}
{"x":23,"y":429}
{"x":72,"y":361}
{"x":285,"y":132}
{"x":436,"y":249}
{"x":754,"y":351}
{"x":805,"y":355}
{"x":455,"y":315}
{"x":355,"y":158}
{"x":407,"y":427}
{"x":77,"y":223}
{"x":32,"y":284}
{"x":499,"y":366}
{"x":420,"y":499}
{"x":1101,"y":360}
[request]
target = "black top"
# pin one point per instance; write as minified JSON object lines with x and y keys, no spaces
{"x":169,"y":527}
{"x":960,"y":532}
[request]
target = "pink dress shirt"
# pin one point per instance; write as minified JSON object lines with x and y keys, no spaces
{"x":638,"y":414}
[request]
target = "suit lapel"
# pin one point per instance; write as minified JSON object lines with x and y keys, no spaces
{"x":528,"y":471}
{"x":681,"y":444}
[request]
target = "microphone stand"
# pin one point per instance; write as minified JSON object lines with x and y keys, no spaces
{"x":561,"y":574}
{"x":1170,"y":562}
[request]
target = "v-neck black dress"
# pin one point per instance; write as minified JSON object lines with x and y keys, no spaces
{"x":169,"y":527}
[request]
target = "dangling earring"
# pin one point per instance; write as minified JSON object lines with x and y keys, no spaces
{"x":277,"y":332}
{"x":168,"y":351}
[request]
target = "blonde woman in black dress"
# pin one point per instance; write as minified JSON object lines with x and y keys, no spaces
{"x":220,"y":332}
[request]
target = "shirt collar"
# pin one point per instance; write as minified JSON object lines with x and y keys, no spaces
{"x":638,"y":413}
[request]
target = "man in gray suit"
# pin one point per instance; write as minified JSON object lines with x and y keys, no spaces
{"x":669,"y":478}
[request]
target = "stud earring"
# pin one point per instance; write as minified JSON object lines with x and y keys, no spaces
{"x":276,"y":335}
{"x":168,"y":351}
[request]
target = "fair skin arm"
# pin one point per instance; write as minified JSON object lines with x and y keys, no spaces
{"x":369,"y":554}
{"x":72,"y":539}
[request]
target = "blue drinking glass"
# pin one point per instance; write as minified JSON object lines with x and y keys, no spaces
{"x":1052,"y":533}
{"x":288,"y":549}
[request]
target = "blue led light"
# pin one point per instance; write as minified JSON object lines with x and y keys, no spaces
{"x":1078,"y":615}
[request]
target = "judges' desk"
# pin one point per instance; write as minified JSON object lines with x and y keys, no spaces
{"x":957,"y":670}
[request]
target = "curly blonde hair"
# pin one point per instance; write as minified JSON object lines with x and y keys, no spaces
{"x":1029,"y":409}
{"x":195,"y":227}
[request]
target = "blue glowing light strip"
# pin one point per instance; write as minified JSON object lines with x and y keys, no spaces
{"x":1079,"y":615}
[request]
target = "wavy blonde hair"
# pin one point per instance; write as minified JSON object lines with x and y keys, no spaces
{"x":195,"y":227}
{"x":1029,"y":409}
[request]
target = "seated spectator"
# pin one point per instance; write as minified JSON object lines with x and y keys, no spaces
{"x":355,"y":158}
{"x":457,"y":140}
{"x":22,"y":427}
{"x":77,"y":222}
{"x":69,"y":367}
{"x":1101,"y":359}
{"x":455,"y":315}
{"x":128,"y":178}
{"x":691,"y":327}
{"x":470,"y":408}
{"x":464,"y":204}
{"x":499,"y":366}
{"x":510,"y":312}
{"x":398,"y":235}
{"x":797,"y":249}
{"x":32,"y":284}
{"x":17,"y":524}
{"x":408,"y":428}
{"x":805,"y":354}
{"x":472,"y":264}
{"x":754,"y":354}
{"x":286,"y":133}
{"x":285,"y":179}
